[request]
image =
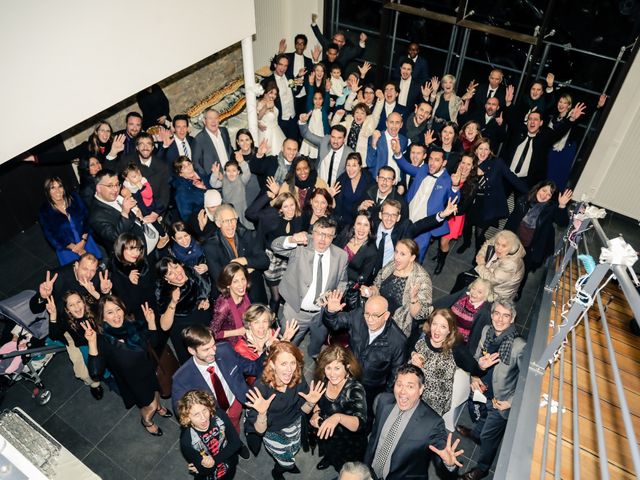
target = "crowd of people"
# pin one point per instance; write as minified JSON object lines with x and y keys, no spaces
{"x":219,"y":257}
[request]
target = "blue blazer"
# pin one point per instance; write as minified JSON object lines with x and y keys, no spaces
{"x":378,"y":157}
{"x":57,"y":227}
{"x":439,"y":195}
{"x":233,"y":367}
{"x":188,"y":197}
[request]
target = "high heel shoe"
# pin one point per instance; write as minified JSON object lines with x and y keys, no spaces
{"x":167,"y":413}
{"x":157,"y":433}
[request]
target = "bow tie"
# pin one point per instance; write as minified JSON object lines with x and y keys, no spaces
{"x":432,"y":175}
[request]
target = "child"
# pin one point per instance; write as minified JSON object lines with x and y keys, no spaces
{"x":233,"y":183}
{"x":318,"y":108}
{"x":337,"y":83}
{"x":138,"y":186}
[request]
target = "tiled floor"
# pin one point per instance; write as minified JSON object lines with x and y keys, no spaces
{"x":110,"y":439}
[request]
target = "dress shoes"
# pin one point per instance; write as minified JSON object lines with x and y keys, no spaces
{"x":323,"y":464}
{"x":97,"y":392}
{"x":474,"y":474}
{"x":244,"y":452}
{"x":466,"y":432}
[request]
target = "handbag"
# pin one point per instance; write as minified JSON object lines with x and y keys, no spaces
{"x":166,"y":365}
{"x":352,"y":297}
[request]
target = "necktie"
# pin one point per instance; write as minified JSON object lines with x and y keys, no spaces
{"x":381,"y":246}
{"x":218,"y":389}
{"x":184,"y":149}
{"x":333,"y":156}
{"x":523,"y":156}
{"x":319,"y":276}
{"x":490,"y":93}
{"x":385,"y":450}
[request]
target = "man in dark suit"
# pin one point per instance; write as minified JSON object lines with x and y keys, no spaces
{"x":276,"y":166}
{"x":297,"y":61}
{"x":527,"y":150}
{"x":215,"y":368}
{"x":213,"y":144}
{"x":181,"y":144}
{"x":233,"y":242}
{"x":405,"y":430}
{"x":153,"y":168}
{"x":110,"y":214}
{"x":393,"y":227}
{"x":315,"y":267}
{"x":492,"y":124}
{"x":347,"y":51}
{"x":420,"y":65}
{"x":332,"y":150}
{"x":133,"y":122}
{"x":492,"y":89}
{"x":285,"y":101}
{"x":410,"y":90}
{"x":383,"y":190}
{"x":391,"y":105}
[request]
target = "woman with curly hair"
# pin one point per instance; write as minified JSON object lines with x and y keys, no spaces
{"x":208,"y":440}
{"x":277,"y":403}
{"x":340,"y":416}
{"x":233,"y":284}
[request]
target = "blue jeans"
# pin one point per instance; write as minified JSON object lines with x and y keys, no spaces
{"x":490,"y":430}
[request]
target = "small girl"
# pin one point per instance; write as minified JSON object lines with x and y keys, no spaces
{"x":233,"y":183}
{"x":318,"y":108}
{"x":337,"y":83}
{"x":138,"y":186}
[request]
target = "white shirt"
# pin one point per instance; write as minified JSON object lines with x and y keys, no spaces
{"x":286,"y":97}
{"x":183,"y":146}
{"x":373,"y":335}
{"x":491,"y":92}
{"x":388,"y":108}
{"x":147,"y":162}
{"x":308,"y":302}
{"x":391,"y":162}
{"x":218,"y":144}
{"x":527,"y":160}
{"x":404,"y":91}
{"x":207,"y":378}
{"x":298,"y":64}
{"x":324,"y":165}
{"x":387,"y":255}
{"x":487,"y":118}
{"x":418,"y":205}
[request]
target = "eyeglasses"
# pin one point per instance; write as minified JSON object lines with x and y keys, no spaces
{"x":229,"y":221}
{"x":389,"y":215}
{"x":110,"y":185}
{"x":324,"y":236}
{"x":369,"y":315}
{"x":386,"y":179}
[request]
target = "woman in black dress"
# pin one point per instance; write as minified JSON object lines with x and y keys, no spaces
{"x":208,"y":440}
{"x":121,"y":345}
{"x":133,"y":279}
{"x":183,"y":299}
{"x":341,"y":413}
{"x":277,"y":403}
{"x":355,"y":181}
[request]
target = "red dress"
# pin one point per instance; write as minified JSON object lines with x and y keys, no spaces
{"x":456,"y":224}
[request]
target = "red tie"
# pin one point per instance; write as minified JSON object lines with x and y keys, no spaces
{"x":218,"y":389}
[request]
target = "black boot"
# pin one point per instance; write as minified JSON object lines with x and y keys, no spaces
{"x":442,"y":257}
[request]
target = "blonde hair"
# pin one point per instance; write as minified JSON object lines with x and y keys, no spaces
{"x":511,"y":238}
{"x":254,"y":312}
{"x":487,"y":285}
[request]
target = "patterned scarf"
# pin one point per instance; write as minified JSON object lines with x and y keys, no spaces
{"x":354,"y":132}
{"x":504,"y":342}
{"x":128,"y":333}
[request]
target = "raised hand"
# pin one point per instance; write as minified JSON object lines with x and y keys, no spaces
{"x":602,"y":99}
{"x":314,"y":18}
{"x":117,"y":145}
{"x":577,"y":111}
{"x":565,"y":197}
{"x":263,"y":148}
{"x":499,"y":120}
{"x":202,"y":219}
{"x":364,"y":69}
{"x":417,"y":359}
{"x":315,"y":53}
{"x":448,"y":454}
{"x":395,"y":147}
{"x":290,"y":330}
{"x":429,"y":137}
{"x":273,"y":186}
{"x":256,"y":401}
{"x":134,"y":276}
{"x":90,"y":288}
{"x":452,"y":207}
{"x":46,"y":288}
{"x":455,"y":178}
{"x":334,"y":301}
{"x":165,"y":136}
{"x":303,"y":117}
{"x":89,"y":332}
{"x":105,"y":282}
{"x":149,"y":315}
{"x":375,"y":136}
{"x":215,"y":170}
{"x":435,"y":84}
{"x":366,"y":205}
{"x":339,"y":113}
{"x":509,"y":94}
{"x":282,"y":46}
{"x":335,"y":189}
{"x":426,"y":90}
{"x":51,"y":309}
{"x":300,"y":238}
{"x":316,"y":390}
{"x":488,"y":360}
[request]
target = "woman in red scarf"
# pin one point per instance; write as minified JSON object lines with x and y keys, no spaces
{"x":233,"y":301}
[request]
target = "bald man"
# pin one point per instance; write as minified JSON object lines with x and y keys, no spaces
{"x":376,"y":341}
{"x":380,"y":151}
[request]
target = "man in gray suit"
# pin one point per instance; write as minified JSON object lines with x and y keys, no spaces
{"x":315,"y":266}
{"x":332,"y":150}
{"x":213,"y":144}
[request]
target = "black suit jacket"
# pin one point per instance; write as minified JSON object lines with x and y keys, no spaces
{"x":372,"y":193}
{"x":170,"y":153}
{"x":158,"y":174}
{"x":411,"y":457}
{"x":490,"y":130}
{"x":420,"y":69}
{"x":480,"y":98}
{"x":107,"y":223}
{"x":414,"y":96}
{"x":308,"y":64}
{"x":346,"y":54}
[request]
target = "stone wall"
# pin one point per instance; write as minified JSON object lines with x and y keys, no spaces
{"x":183,"y":89}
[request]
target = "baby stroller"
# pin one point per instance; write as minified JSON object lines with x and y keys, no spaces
{"x":26,"y":355}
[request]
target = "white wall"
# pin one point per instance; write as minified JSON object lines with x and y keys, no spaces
{"x":66,"y":61}
{"x":611,"y":178}
{"x":276,"y":19}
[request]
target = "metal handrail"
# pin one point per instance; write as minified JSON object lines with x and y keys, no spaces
{"x":516,"y":455}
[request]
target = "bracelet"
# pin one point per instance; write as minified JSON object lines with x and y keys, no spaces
{"x":170,"y":307}
{"x":310,"y":404}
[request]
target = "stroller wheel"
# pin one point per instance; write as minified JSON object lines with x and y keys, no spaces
{"x":42,"y":396}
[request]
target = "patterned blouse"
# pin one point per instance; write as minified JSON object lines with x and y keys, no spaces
{"x":439,"y":368}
